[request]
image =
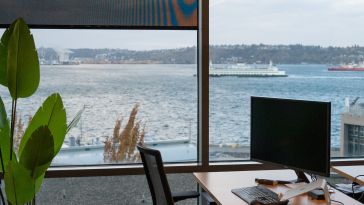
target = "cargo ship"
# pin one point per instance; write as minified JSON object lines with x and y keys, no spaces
{"x":348,"y":67}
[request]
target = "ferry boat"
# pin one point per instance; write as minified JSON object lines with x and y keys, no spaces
{"x":348,"y":67}
{"x":245,"y":70}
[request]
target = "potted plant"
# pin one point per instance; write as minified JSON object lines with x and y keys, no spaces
{"x":24,"y":171}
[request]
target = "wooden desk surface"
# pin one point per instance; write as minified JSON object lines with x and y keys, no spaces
{"x":219,"y":185}
{"x":350,"y":172}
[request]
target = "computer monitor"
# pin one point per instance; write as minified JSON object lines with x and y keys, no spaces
{"x":293,"y":134}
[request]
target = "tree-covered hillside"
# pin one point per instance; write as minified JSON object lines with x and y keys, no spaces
{"x":220,"y":54}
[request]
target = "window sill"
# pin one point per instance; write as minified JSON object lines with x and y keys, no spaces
{"x":137,"y":169}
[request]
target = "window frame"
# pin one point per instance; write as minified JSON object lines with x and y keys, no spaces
{"x":203,"y":163}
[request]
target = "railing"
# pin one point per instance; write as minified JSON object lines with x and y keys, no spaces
{"x":354,"y":110}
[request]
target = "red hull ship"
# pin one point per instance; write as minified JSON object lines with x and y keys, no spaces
{"x":349,"y":67}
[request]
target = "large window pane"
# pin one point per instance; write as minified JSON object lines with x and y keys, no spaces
{"x":105,"y":74}
{"x":302,"y":38}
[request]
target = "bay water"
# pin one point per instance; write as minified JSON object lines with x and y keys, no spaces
{"x":167,"y":95}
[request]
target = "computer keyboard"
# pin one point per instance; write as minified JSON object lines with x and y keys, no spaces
{"x":258,"y":193}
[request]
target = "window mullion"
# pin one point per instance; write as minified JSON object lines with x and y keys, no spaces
{"x":203,"y":83}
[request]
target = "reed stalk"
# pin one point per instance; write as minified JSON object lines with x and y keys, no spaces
{"x":18,"y":132}
{"x":121,"y":146}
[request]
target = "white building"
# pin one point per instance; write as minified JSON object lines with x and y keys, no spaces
{"x":352,"y":129}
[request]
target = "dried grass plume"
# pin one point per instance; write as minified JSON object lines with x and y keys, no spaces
{"x":121,"y":147}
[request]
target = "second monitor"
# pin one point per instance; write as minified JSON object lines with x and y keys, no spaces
{"x":293,"y":134}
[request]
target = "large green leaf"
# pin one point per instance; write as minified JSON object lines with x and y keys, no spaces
{"x":5,"y":145}
{"x":38,"y":183}
{"x":22,"y":63}
{"x":38,"y":152}
{"x":4,"y":136}
{"x":19,"y":186}
{"x":52,"y":115}
{"x":4,"y":55}
{"x":3,"y":116}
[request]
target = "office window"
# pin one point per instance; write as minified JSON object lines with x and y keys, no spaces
{"x":305,"y":40}
{"x":112,"y":76}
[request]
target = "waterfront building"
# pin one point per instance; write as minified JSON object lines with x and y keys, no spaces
{"x":352,"y":129}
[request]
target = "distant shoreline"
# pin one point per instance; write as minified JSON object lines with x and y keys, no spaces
{"x":219,"y":54}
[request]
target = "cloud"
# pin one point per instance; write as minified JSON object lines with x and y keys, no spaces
{"x":123,"y":39}
{"x":216,"y":3}
{"x":319,"y":22}
{"x":348,"y":7}
{"x":314,"y":22}
{"x":349,"y":3}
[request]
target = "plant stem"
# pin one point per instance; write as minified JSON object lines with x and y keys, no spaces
{"x":2,"y":162}
{"x":13,"y":116}
{"x":34,"y":195}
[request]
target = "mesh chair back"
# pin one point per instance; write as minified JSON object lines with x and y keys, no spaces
{"x":157,"y":180}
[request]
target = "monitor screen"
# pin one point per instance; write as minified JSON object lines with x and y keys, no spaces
{"x":294,"y":134}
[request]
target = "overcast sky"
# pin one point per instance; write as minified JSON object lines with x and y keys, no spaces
{"x":308,"y":22}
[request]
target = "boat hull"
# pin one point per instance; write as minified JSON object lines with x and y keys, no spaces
{"x":345,"y":69}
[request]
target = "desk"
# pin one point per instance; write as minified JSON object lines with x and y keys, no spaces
{"x":219,"y":185}
{"x":350,"y":172}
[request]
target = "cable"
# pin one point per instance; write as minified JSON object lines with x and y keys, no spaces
{"x":338,"y":202}
{"x":360,"y":175}
{"x":313,"y":177}
{"x":361,"y":196}
{"x":352,"y":190}
{"x":356,"y":184}
{"x":330,"y":187}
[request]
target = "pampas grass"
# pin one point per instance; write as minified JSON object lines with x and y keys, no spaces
{"x":19,"y":130}
{"x":121,"y":146}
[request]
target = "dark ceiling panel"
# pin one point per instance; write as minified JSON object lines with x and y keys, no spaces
{"x":164,"y":14}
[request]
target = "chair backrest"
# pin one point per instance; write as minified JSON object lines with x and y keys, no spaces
{"x":157,"y":180}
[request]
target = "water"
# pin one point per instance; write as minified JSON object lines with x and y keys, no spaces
{"x":230,"y":97}
{"x":167,"y":95}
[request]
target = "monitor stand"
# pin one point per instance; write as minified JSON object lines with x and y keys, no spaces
{"x":301,"y":177}
{"x":307,"y":188}
{"x":317,"y":193}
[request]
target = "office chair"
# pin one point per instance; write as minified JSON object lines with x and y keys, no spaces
{"x":157,"y":180}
